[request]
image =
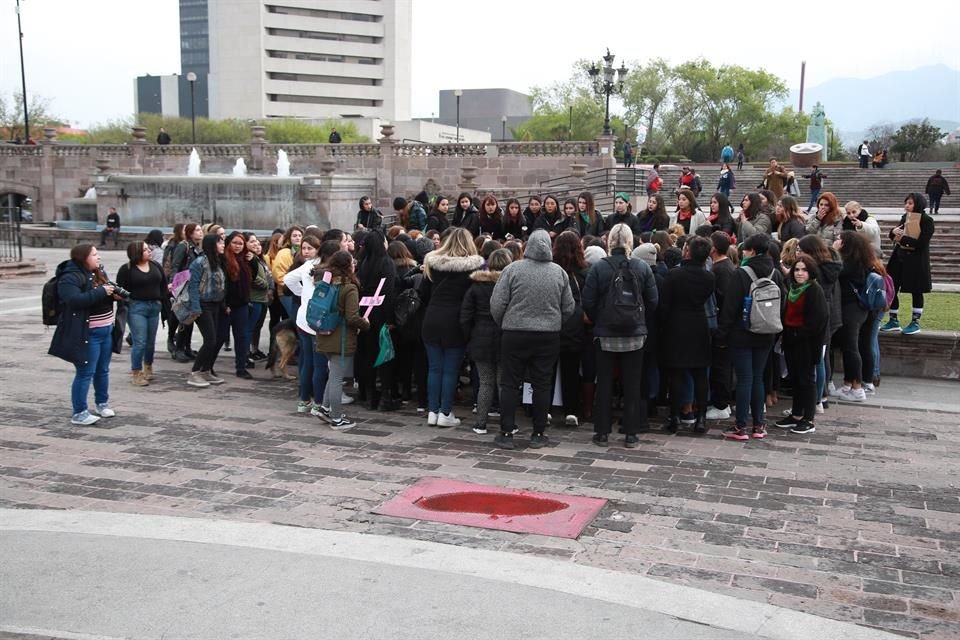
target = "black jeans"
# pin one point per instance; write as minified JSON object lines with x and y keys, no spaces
{"x":865,"y":346}
{"x":853,"y":319}
{"x":935,"y":202}
{"x":721,"y":378}
{"x":236,"y":320}
{"x":211,"y":316}
{"x":634,"y":398}
{"x":802,"y":357}
{"x":533,"y":352}
{"x":569,"y":364}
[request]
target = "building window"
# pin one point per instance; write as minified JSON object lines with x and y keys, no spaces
{"x":322,"y":57}
{"x":321,"y":13}
{"x":323,"y":35}
{"x":353,"y":102}
{"x":307,"y":77}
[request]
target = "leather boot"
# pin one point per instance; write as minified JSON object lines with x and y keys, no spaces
{"x":137,"y":378}
{"x":148,"y":372}
{"x":180,"y":356}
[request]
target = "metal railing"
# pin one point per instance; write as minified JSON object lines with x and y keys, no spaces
{"x":11,"y":247}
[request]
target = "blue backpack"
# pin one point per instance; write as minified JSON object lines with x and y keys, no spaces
{"x":873,"y":295}
{"x":323,"y":316}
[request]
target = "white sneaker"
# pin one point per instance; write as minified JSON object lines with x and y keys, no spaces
{"x":853,"y":395}
{"x":831,"y":389}
{"x":304,"y":406}
{"x":571,"y":421}
{"x":432,"y":419}
{"x":869,"y":389}
{"x":447,"y":420}
{"x":84,"y":418}
{"x":105,"y":411}
{"x":839,"y":392}
{"x":345,"y":399}
{"x":819,"y":408}
{"x":719,"y":414}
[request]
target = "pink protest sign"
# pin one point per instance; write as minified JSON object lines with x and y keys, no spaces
{"x":373,"y":301}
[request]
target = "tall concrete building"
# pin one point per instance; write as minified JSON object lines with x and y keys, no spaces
{"x":493,"y":110}
{"x":308,"y":58}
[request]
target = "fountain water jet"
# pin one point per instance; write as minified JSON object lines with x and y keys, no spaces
{"x":283,"y":164}
{"x":193,"y":165}
{"x":240,"y":168}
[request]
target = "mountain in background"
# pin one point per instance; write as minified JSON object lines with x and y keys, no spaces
{"x":856,"y":104}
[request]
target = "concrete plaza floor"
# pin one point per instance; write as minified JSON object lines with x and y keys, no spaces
{"x":858,"y":523}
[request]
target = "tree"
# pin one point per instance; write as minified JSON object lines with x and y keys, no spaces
{"x":11,"y":116}
{"x":911,"y":140}
{"x":646,"y":93}
{"x":881,"y":136}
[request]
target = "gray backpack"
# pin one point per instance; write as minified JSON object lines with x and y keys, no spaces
{"x":764,"y":305}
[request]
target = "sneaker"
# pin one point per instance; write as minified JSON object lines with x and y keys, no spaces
{"x":474,"y":410}
{"x":571,"y":421}
{"x":447,"y":420}
{"x":105,"y":411}
{"x":421,"y":409}
{"x":539,"y":440}
{"x":211,"y":377}
{"x":831,"y":389}
{"x":804,"y":427}
{"x":319,"y":411}
{"x":601,"y":439}
{"x":227,"y":348}
{"x":480,"y":429}
{"x":345,"y":399}
{"x":912,"y":328}
{"x":819,"y":408}
{"x":196,"y":379}
{"x":736,"y":433}
{"x":838,"y":393}
{"x":869,"y":389}
{"x":891,"y":325}
{"x":787,"y":423}
{"x":759,"y":432}
{"x":688,"y":418}
{"x":493,"y":413}
{"x":432,"y":419}
{"x":853,"y":395}
{"x":343,"y":423}
{"x":631,"y":441}
{"x":244,"y":374}
{"x":718,"y":414}
{"x":304,"y":406}
{"x":504,"y":440}
{"x":84,"y":418}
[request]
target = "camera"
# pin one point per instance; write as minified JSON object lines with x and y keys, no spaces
{"x":119,"y":291}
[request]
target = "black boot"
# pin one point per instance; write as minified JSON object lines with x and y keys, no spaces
{"x":673,"y":425}
{"x":171,"y":346}
{"x":181,"y":356}
{"x":700,"y":425}
{"x":388,"y":403}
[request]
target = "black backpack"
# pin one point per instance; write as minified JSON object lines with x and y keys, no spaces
{"x":408,"y":304}
{"x":623,"y":309}
{"x":50,"y":303}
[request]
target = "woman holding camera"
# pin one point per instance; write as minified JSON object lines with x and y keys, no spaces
{"x":84,"y":332}
{"x":144,"y":280}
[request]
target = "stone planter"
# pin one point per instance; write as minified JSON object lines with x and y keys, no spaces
{"x":258,"y":134}
{"x":468,"y":174}
{"x":49,"y":135}
{"x":327,"y":166}
{"x":139,"y":134}
{"x":103,"y":165}
{"x":578,"y":170}
{"x":386,"y":132}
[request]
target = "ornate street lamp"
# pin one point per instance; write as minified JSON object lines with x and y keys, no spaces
{"x":607,"y":80}
{"x":192,"y":79}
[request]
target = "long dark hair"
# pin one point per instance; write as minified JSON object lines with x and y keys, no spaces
{"x":188,"y":232}
{"x":815,"y":247}
{"x":135,"y":253}
{"x":340,"y":265}
{"x":855,"y":248}
{"x":237,"y":268}
{"x":660,"y":218}
{"x":373,"y":254}
{"x":154,"y":238}
{"x":591,"y":208}
{"x":754,"y":208}
{"x":79,"y":255}
{"x":209,"y":247}
{"x":496,"y":208}
{"x":568,"y":252}
{"x":691,"y":198}
{"x":724,"y":213}
{"x":506,"y":209}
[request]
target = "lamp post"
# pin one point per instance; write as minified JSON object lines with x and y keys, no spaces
{"x":458,"y":93}
{"x":192,"y":79}
{"x":503,"y":128}
{"x":23,"y":80}
{"x":605,"y":85}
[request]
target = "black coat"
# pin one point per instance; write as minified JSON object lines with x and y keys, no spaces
{"x":370,"y":274}
{"x":437,"y":222}
{"x":909,"y":265}
{"x":830,"y":283}
{"x":731,"y":332}
{"x":478,"y":326}
{"x":76,"y":294}
{"x":515,"y":227}
{"x":442,"y":294}
{"x":598,"y":283}
{"x":556,"y":225}
{"x":816,"y":319}
{"x":587,"y":228}
{"x":682,"y":307}
{"x":371,"y":220}
{"x":628,"y":219}
{"x":571,"y":333}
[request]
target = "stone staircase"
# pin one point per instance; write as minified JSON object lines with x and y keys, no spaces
{"x":22,"y":269}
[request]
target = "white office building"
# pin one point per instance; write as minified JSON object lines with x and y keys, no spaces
{"x":309,"y":58}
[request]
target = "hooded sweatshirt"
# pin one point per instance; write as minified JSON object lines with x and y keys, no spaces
{"x":533,"y":294}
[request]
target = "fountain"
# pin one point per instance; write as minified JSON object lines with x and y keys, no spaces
{"x":283,"y":164}
{"x":193,"y":165}
{"x":240,"y":169}
{"x":90,"y":194}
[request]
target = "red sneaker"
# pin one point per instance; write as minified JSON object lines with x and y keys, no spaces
{"x":759,"y":432}
{"x":736,"y":433}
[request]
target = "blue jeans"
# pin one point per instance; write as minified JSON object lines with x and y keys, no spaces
{"x":821,"y":377}
{"x":313,"y":368}
{"x":748,"y":363}
{"x":254,"y":310}
{"x":443,"y":369}
{"x":813,"y":199}
{"x":96,"y":368}
{"x":143,"y":318}
{"x":875,"y":345}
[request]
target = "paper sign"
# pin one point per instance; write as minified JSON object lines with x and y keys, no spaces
{"x":373,"y":301}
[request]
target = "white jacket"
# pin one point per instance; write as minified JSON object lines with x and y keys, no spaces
{"x":300,"y":283}
{"x":698,"y":220}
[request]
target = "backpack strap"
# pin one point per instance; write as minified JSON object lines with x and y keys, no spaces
{"x":750,"y":272}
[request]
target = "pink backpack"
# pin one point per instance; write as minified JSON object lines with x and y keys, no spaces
{"x":888,"y":289}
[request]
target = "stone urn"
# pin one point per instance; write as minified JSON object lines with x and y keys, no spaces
{"x":386,"y":131}
{"x":49,"y":135}
{"x":327,"y":166}
{"x":139,"y":134}
{"x":258,"y":134}
{"x":103,"y":165}
{"x":578,"y":170}
{"x":468,"y":174}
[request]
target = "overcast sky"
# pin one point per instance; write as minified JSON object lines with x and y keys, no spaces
{"x":85,"y":54}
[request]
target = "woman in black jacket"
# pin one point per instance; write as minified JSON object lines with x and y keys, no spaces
{"x":514,"y":222}
{"x":408,"y":345}
{"x":686,"y":291}
{"x":909,"y":264}
{"x":590,"y":222}
{"x":748,"y":351}
{"x":483,"y":333}
{"x":375,"y":265}
{"x":568,"y":253}
{"x":857,"y":257}
{"x":721,"y":216}
{"x":828,"y":266}
{"x":368,"y":217}
{"x":551,"y":219}
{"x":84,"y":332}
{"x":463,"y":210}
{"x":239,"y":283}
{"x":145,"y":281}
{"x":805,"y":320}
{"x":437,"y":218}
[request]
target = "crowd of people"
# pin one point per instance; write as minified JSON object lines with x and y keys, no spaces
{"x":711,"y":312}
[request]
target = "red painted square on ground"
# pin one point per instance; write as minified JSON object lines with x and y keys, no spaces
{"x":476,"y":505}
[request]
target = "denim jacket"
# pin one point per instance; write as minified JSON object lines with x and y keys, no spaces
{"x":205,"y":285}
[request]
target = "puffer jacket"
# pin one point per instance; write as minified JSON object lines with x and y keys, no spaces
{"x":481,"y":332}
{"x":77,"y":295}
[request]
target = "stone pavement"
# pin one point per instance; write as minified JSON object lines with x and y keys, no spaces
{"x":859,"y":522}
